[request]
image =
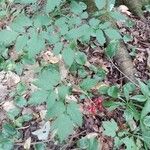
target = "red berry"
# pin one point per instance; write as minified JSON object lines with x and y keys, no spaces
{"x":98,"y":100}
{"x":92,"y":109}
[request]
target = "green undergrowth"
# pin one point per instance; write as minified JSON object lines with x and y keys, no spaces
{"x":63,"y":26}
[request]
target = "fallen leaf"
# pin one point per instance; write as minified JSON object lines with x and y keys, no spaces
{"x":124,"y":9}
{"x":3,"y":92}
{"x":50,"y":58}
{"x":7,"y":106}
{"x":27,"y":144}
{"x":43,"y":133}
{"x":12,"y":79}
{"x":63,"y":70}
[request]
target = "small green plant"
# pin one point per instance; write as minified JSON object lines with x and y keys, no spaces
{"x":61,"y":28}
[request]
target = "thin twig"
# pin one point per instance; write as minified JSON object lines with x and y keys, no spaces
{"x":33,"y":143}
{"x":71,"y":139}
{"x":123,"y":73}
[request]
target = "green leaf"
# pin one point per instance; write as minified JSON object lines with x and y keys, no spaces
{"x":112,"y":48}
{"x":35,"y":45}
{"x":7,"y":36}
{"x":41,"y":20}
{"x":21,"y":42}
{"x":57,"y":48}
{"x":139,"y":98}
{"x":81,"y":58}
{"x":100,"y":4}
{"x":130,"y":144}
{"x":94,"y":22}
{"x":144,"y":88}
{"x":38,"y":97}
{"x":8,"y":129}
{"x":56,"y":110}
{"x":77,"y":8}
{"x":63,"y":91}
{"x":100,"y":37}
{"x":48,"y":78}
{"x":68,"y":56}
{"x":127,"y":89}
{"x":113,"y":34}
{"x":77,"y":33}
{"x":89,"y":142}
{"x":113,"y":91}
{"x":146,"y":121}
{"x":64,"y":126}
{"x":110,"y":128}
{"x":88,"y":83}
{"x":74,"y":112}
{"x":118,"y":16}
{"x":51,"y":99}
{"x":20,"y":22}
{"x":21,"y":102}
{"x":51,"y":5}
{"x":40,"y":146}
{"x":145,"y":129}
{"x":25,"y":1}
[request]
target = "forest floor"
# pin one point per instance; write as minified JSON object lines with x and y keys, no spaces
{"x":138,"y":44}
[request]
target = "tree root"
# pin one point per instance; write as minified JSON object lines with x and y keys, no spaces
{"x":122,"y":56}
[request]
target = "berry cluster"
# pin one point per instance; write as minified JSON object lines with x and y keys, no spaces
{"x":96,"y":106}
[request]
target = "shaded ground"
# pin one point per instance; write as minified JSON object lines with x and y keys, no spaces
{"x":138,"y":47}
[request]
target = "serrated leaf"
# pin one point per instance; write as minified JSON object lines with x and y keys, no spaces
{"x":38,"y":97}
{"x":7,"y":36}
{"x":76,"y":7}
{"x":110,"y":128}
{"x":74,"y":112}
{"x":146,"y":121}
{"x":89,"y":142}
{"x":68,"y":56}
{"x":144,"y":88}
{"x":21,"y":42}
{"x":100,"y":37}
{"x":56,"y":110}
{"x":63,"y":91}
{"x":112,"y":48}
{"x":51,"y":5}
{"x":20,"y":22}
{"x":127,"y":89}
{"x":100,"y":4}
{"x":48,"y":78}
{"x":76,"y":33}
{"x":113,"y":34}
{"x":64,"y":126}
{"x":41,"y":20}
{"x":88,"y":83}
{"x":130,"y":144}
{"x":118,"y":16}
{"x":35,"y":45}
{"x":113,"y":91}
{"x":81,"y":58}
{"x":94,"y":22}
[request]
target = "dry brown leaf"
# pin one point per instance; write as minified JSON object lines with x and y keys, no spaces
{"x":27,"y":144}
{"x":71,"y":98}
{"x":50,"y":58}
{"x":3,"y":92}
{"x":7,"y":106}
{"x":12,"y":79}
{"x":63,"y":70}
{"x":124,"y":9}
